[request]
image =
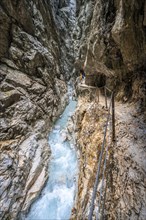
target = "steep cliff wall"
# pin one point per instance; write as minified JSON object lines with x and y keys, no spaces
{"x":64,"y":13}
{"x":90,"y":119}
{"x":111,"y":38}
{"x":32,"y":95}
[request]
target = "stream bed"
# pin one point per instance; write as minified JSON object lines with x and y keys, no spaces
{"x":57,"y":198}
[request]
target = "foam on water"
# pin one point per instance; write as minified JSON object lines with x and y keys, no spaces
{"x":57,"y":198}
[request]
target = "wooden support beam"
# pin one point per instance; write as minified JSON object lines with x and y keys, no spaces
{"x":113,"y":117}
{"x":105,"y":97}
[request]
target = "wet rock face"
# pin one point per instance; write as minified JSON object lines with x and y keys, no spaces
{"x":111,"y":38}
{"x":32,"y":95}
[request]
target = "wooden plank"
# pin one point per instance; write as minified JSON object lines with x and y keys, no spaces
{"x":88,"y":87}
{"x":108,"y":89}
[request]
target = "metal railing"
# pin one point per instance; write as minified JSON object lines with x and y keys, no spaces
{"x":103,"y":148}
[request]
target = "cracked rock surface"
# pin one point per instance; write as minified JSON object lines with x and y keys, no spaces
{"x":32,"y":95}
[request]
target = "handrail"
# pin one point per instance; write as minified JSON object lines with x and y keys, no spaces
{"x":108,"y":89}
{"x":112,"y":104}
{"x":99,"y":164}
{"x":103,"y":174}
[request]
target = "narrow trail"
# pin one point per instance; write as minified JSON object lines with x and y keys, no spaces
{"x":129,"y":164}
{"x":128,"y":122}
{"x":131,"y":131}
{"x":124,"y":111}
{"x":129,"y":174}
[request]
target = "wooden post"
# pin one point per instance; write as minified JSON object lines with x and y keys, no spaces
{"x":97,"y":95}
{"x":105,"y":97}
{"x":113,"y":117}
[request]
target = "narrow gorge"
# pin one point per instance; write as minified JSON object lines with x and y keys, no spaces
{"x":43,"y":46}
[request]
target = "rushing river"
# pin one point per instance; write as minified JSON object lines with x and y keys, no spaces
{"x":57,"y":198}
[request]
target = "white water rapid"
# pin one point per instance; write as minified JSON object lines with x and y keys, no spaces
{"x":57,"y":198}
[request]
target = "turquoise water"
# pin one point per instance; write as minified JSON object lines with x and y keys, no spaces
{"x":57,"y":198}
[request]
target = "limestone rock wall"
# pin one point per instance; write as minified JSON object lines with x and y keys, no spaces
{"x":111,"y":39}
{"x":32,"y":95}
{"x":90,"y":118}
{"x":64,"y":13}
